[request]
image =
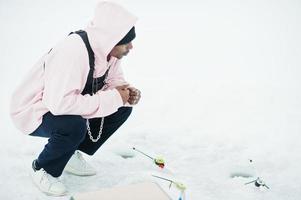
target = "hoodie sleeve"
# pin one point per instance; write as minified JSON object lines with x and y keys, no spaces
{"x":66,"y":71}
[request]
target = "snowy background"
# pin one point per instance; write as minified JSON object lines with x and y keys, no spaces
{"x":220,"y":81}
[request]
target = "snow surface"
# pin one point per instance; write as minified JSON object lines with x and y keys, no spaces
{"x":220,"y":83}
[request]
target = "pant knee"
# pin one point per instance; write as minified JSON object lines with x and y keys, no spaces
{"x":126,"y":111}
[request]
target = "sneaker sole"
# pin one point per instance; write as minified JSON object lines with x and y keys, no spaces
{"x":70,"y":170}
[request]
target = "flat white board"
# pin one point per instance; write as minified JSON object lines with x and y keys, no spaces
{"x":140,"y":191}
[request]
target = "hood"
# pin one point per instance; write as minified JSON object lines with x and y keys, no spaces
{"x":110,"y":24}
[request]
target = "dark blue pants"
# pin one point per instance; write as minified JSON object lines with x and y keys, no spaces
{"x":68,"y":133}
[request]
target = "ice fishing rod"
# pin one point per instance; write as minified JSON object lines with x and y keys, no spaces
{"x":258,"y":183}
{"x":158,"y":161}
{"x":179,"y":186}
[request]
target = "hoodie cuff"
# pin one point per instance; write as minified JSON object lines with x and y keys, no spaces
{"x":118,"y":98}
{"x":109,"y":101}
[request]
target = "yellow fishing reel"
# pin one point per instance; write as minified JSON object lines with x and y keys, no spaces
{"x":180,"y":186}
{"x":160,"y":162}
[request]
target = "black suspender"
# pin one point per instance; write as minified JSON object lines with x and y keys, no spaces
{"x":93,"y":84}
{"x":84,"y":37}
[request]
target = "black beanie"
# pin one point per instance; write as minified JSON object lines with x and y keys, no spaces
{"x":128,"y":37}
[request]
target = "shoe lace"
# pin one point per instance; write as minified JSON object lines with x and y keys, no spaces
{"x":81,"y":158}
{"x":49,"y":178}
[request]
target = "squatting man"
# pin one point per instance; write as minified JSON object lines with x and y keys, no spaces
{"x":76,"y":96}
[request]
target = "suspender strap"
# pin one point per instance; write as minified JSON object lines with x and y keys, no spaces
{"x":92,"y":85}
{"x":84,"y":36}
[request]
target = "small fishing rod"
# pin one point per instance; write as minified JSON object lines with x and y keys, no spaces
{"x":179,"y":186}
{"x":159,"y":161}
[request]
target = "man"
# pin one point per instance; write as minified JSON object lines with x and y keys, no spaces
{"x":76,"y":96}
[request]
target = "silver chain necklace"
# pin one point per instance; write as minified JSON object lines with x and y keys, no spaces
{"x":99,"y":132}
{"x":102,"y":119}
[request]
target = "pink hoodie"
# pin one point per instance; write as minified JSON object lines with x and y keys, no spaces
{"x":56,"y":81}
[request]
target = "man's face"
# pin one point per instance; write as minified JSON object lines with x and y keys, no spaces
{"x":121,"y":50}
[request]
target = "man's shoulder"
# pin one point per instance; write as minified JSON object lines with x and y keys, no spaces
{"x":70,"y":49}
{"x":72,"y":44}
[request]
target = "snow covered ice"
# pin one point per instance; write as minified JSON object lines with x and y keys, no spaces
{"x":220,"y":84}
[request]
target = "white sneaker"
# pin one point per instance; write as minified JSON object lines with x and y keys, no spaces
{"x":47,"y":183}
{"x":78,"y":166}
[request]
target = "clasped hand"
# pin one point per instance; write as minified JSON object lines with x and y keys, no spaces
{"x":129,"y":95}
